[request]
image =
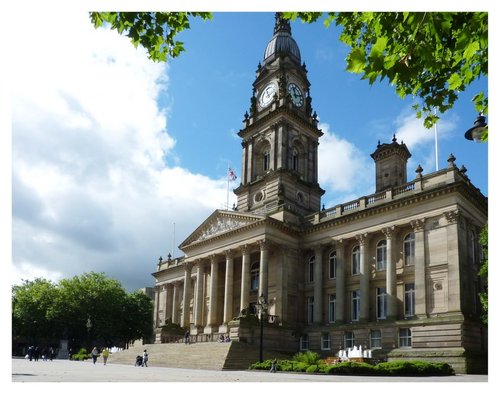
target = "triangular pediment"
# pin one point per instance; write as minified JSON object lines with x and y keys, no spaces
{"x":218,"y":223}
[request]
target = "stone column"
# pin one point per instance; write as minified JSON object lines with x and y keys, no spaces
{"x":175,"y":303}
{"x":453,"y":257}
{"x":245,"y":278}
{"x":186,"y":295}
{"x":340,"y":281}
{"x":390,"y":275}
{"x":263,"y":270}
{"x":364,"y":281}
{"x":165,"y":302}
{"x":157,"y":306}
{"x":200,"y":273}
{"x":318,"y":285}
{"x":212,"y":309}
{"x":228,"y":287}
{"x":420,"y":282}
{"x":169,"y":296}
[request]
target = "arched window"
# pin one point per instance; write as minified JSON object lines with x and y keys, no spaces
{"x":381,"y":255}
{"x":310,"y":269}
{"x":356,"y":260}
{"x":409,"y":249}
{"x":254,"y":276}
{"x":332,"y":265}
{"x":295,"y":160}
{"x":266,"y":159}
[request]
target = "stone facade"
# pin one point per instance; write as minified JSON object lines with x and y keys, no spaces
{"x":395,"y":271}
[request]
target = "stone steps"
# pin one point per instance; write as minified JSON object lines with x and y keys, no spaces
{"x":204,"y":355}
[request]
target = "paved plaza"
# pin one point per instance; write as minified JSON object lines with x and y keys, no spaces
{"x":74,"y":371}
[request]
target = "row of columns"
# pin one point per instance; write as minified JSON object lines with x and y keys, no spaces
{"x":364,"y":286}
{"x":173,"y":290}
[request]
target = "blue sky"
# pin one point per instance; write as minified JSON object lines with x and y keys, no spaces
{"x":109,"y":150}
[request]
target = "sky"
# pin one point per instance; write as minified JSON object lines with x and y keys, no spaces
{"x":116,"y":159}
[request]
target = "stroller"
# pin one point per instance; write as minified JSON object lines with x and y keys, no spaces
{"x":138,"y":361}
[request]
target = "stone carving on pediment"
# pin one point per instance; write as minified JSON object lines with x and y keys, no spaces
{"x":220,"y":225}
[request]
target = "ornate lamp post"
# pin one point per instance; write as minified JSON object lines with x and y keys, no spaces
{"x":262,"y":309}
{"x":475,"y":133}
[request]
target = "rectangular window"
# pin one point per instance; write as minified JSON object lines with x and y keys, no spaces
{"x":304,"y":342}
{"x":325,"y":341}
{"x":381,"y":255}
{"x":409,"y":299}
{"x":310,"y":270}
{"x":332,"y":300}
{"x":355,"y":304}
{"x":310,"y":310}
{"x":332,"y":266}
{"x":404,"y":337}
{"x":348,"y":339}
{"x":356,"y":264}
{"x":375,"y":339}
{"x":381,"y":303}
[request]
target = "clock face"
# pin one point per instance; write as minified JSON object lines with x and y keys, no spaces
{"x":267,"y":95}
{"x":296,"y":95}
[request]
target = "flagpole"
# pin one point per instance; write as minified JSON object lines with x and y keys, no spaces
{"x":436,"y":140}
{"x":227,"y":198}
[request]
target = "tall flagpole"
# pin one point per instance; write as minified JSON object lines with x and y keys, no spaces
{"x":436,"y":140}
{"x":227,"y":198}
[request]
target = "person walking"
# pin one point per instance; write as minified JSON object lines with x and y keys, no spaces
{"x":94,"y":354}
{"x":145,"y":358}
{"x":51,"y":353}
{"x":105,"y":355}
{"x":31,"y":350}
{"x":273,"y":366}
{"x":186,"y":337}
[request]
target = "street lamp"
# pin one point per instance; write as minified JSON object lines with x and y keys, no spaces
{"x":475,"y":133}
{"x":262,"y":309}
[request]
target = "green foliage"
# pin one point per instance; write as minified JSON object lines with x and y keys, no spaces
{"x":414,"y":368}
{"x":427,"y":55}
{"x":264,"y":365}
{"x":483,"y":273}
{"x":350,"y":368}
{"x":82,"y":355}
{"x":44,"y":312}
{"x":313,"y":368}
{"x":309,"y":358}
{"x":155,"y":31}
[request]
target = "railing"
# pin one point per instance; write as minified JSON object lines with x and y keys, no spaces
{"x":433,"y":180}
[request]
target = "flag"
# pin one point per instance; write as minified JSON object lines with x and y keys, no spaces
{"x":231,"y":175}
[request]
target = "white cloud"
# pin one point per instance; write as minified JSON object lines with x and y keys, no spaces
{"x":344,"y":171}
{"x":90,"y":187}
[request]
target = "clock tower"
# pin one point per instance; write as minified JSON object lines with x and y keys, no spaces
{"x":280,"y":134}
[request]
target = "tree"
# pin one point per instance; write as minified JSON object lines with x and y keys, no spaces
{"x":483,"y":273}
{"x":429,"y":55}
{"x":44,"y":312}
{"x":155,"y":31}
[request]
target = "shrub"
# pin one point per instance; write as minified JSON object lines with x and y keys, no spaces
{"x":300,"y":366}
{"x":313,"y":368}
{"x":350,"y":368}
{"x":414,"y":368}
{"x":310,"y":358}
{"x":82,"y":355}
{"x":266,"y":364}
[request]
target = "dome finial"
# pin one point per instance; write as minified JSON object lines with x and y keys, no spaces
{"x":281,"y":24}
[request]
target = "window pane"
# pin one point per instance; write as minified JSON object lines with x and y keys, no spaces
{"x":356,"y":261}
{"x":333,"y":265}
{"x":381,"y":255}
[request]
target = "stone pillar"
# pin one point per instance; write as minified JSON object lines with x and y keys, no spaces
{"x":228,"y":287}
{"x":165,"y":303}
{"x":175,"y":303}
{"x":453,"y":257}
{"x":245,"y":278}
{"x":157,"y":306}
{"x":212,"y":309}
{"x":186,"y":296}
{"x":318,"y":285}
{"x":364,"y":281}
{"x":263,"y":270}
{"x":390,"y":275}
{"x":420,"y":281}
{"x":340,"y":281}
{"x":169,"y":296}
{"x":200,"y":273}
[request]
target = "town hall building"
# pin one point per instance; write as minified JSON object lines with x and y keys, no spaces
{"x":395,"y":272}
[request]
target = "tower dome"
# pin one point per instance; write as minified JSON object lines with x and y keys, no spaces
{"x":282,"y":42}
